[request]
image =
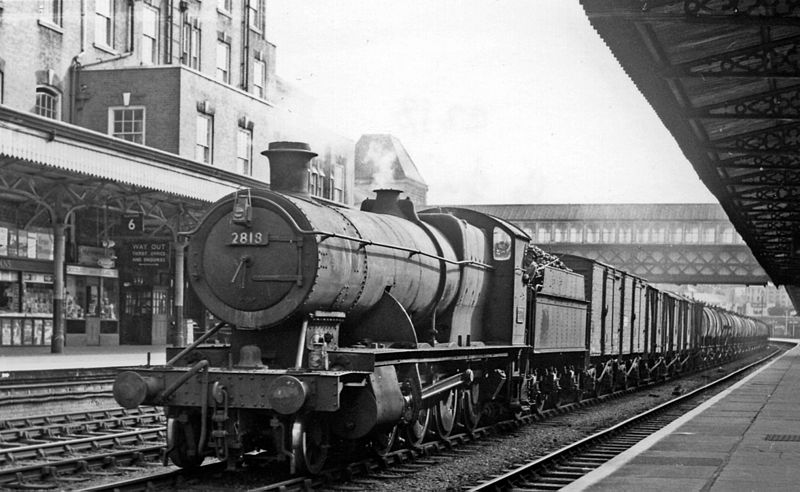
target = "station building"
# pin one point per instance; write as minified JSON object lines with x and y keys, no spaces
{"x":120,"y":121}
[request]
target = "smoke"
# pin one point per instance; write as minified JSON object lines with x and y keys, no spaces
{"x":381,"y":160}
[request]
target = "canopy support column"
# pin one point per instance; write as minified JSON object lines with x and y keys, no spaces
{"x":180,"y":323}
{"x":59,"y":252}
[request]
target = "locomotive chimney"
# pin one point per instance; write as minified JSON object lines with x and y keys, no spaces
{"x":289,"y":163}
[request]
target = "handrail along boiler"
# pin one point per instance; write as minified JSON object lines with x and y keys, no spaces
{"x":378,"y":327}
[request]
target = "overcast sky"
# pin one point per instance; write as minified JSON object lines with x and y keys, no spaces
{"x":496,"y":101}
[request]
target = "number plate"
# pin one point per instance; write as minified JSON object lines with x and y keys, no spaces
{"x":249,"y":238}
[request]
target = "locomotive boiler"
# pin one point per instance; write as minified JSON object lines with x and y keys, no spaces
{"x":347,"y":325}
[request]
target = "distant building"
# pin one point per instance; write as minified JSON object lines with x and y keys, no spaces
{"x":381,"y":161}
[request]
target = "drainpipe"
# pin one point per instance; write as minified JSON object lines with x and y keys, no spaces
{"x":246,"y":45}
{"x":75,"y":66}
{"x":130,"y":27}
{"x":170,"y":33}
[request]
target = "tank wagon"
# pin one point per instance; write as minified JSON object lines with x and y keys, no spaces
{"x":382,"y":326}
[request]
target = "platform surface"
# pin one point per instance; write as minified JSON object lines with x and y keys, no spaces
{"x":746,"y":438}
{"x":40,"y":358}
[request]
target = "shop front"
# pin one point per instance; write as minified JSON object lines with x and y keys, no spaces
{"x":26,"y":308}
{"x":26,"y":286}
{"x":91,"y":298}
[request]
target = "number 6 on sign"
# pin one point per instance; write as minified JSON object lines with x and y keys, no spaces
{"x":132,"y":223}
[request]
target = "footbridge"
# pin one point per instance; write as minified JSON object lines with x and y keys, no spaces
{"x":664,"y":243}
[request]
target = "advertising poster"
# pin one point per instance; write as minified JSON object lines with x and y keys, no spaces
{"x":12,"y":241}
{"x":48,"y":331}
{"x":16,"y":332}
{"x":27,"y":332}
{"x":3,"y":241}
{"x":5,"y":332}
{"x":44,"y":246}
{"x":22,"y":244}
{"x":32,"y":239}
{"x":38,"y":326}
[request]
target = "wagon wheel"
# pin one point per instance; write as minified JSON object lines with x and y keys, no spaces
{"x":540,"y":402}
{"x":621,"y":383}
{"x":383,"y":441}
{"x":470,"y":407}
{"x":182,"y":442}
{"x":446,"y":413}
{"x":310,"y":443}
{"x":604,"y":386}
{"x":633,"y":379}
{"x":555,"y":399}
{"x":417,"y":429}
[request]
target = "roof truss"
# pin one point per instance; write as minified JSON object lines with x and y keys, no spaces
{"x":724,"y":77}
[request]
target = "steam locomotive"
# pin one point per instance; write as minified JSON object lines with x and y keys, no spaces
{"x":382,"y":327}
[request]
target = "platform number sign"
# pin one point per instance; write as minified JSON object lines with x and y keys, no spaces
{"x":132,"y":224}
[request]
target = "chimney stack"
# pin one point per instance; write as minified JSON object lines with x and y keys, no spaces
{"x":289,"y":164}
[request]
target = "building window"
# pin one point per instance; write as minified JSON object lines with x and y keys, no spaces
{"x":313,"y":176}
{"x":244,"y":152}
{"x":543,"y":234}
{"x":204,"y":139}
{"x":149,"y":35}
{"x":191,"y":45}
{"x":709,"y":235}
{"x":127,"y":123}
{"x":560,"y":233}
{"x":52,"y":11}
{"x":625,"y":234}
{"x":575,"y":234}
{"x":607,"y":233}
{"x":48,"y":103}
{"x":103,"y":24}
{"x":659,"y":235}
{"x":676,"y":234}
{"x":224,"y":5}
{"x":255,"y":12}
{"x":592,"y":233}
{"x":316,"y":179}
{"x":223,"y":61}
{"x":727,"y":235}
{"x":642,"y":234}
{"x":259,"y":69}
{"x":692,"y":234}
{"x":338,"y":183}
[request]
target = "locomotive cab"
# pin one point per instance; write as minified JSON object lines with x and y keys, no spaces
{"x":502,"y":294}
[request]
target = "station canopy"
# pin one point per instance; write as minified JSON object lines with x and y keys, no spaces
{"x":50,"y":169}
{"x":724,"y":78}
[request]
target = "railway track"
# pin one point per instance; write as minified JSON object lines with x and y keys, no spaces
{"x":566,"y":465}
{"x":24,"y":392}
{"x":369,"y":472}
{"x":45,"y":452}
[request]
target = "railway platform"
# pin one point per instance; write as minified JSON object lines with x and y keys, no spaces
{"x":746,"y":438}
{"x":39,"y":358}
